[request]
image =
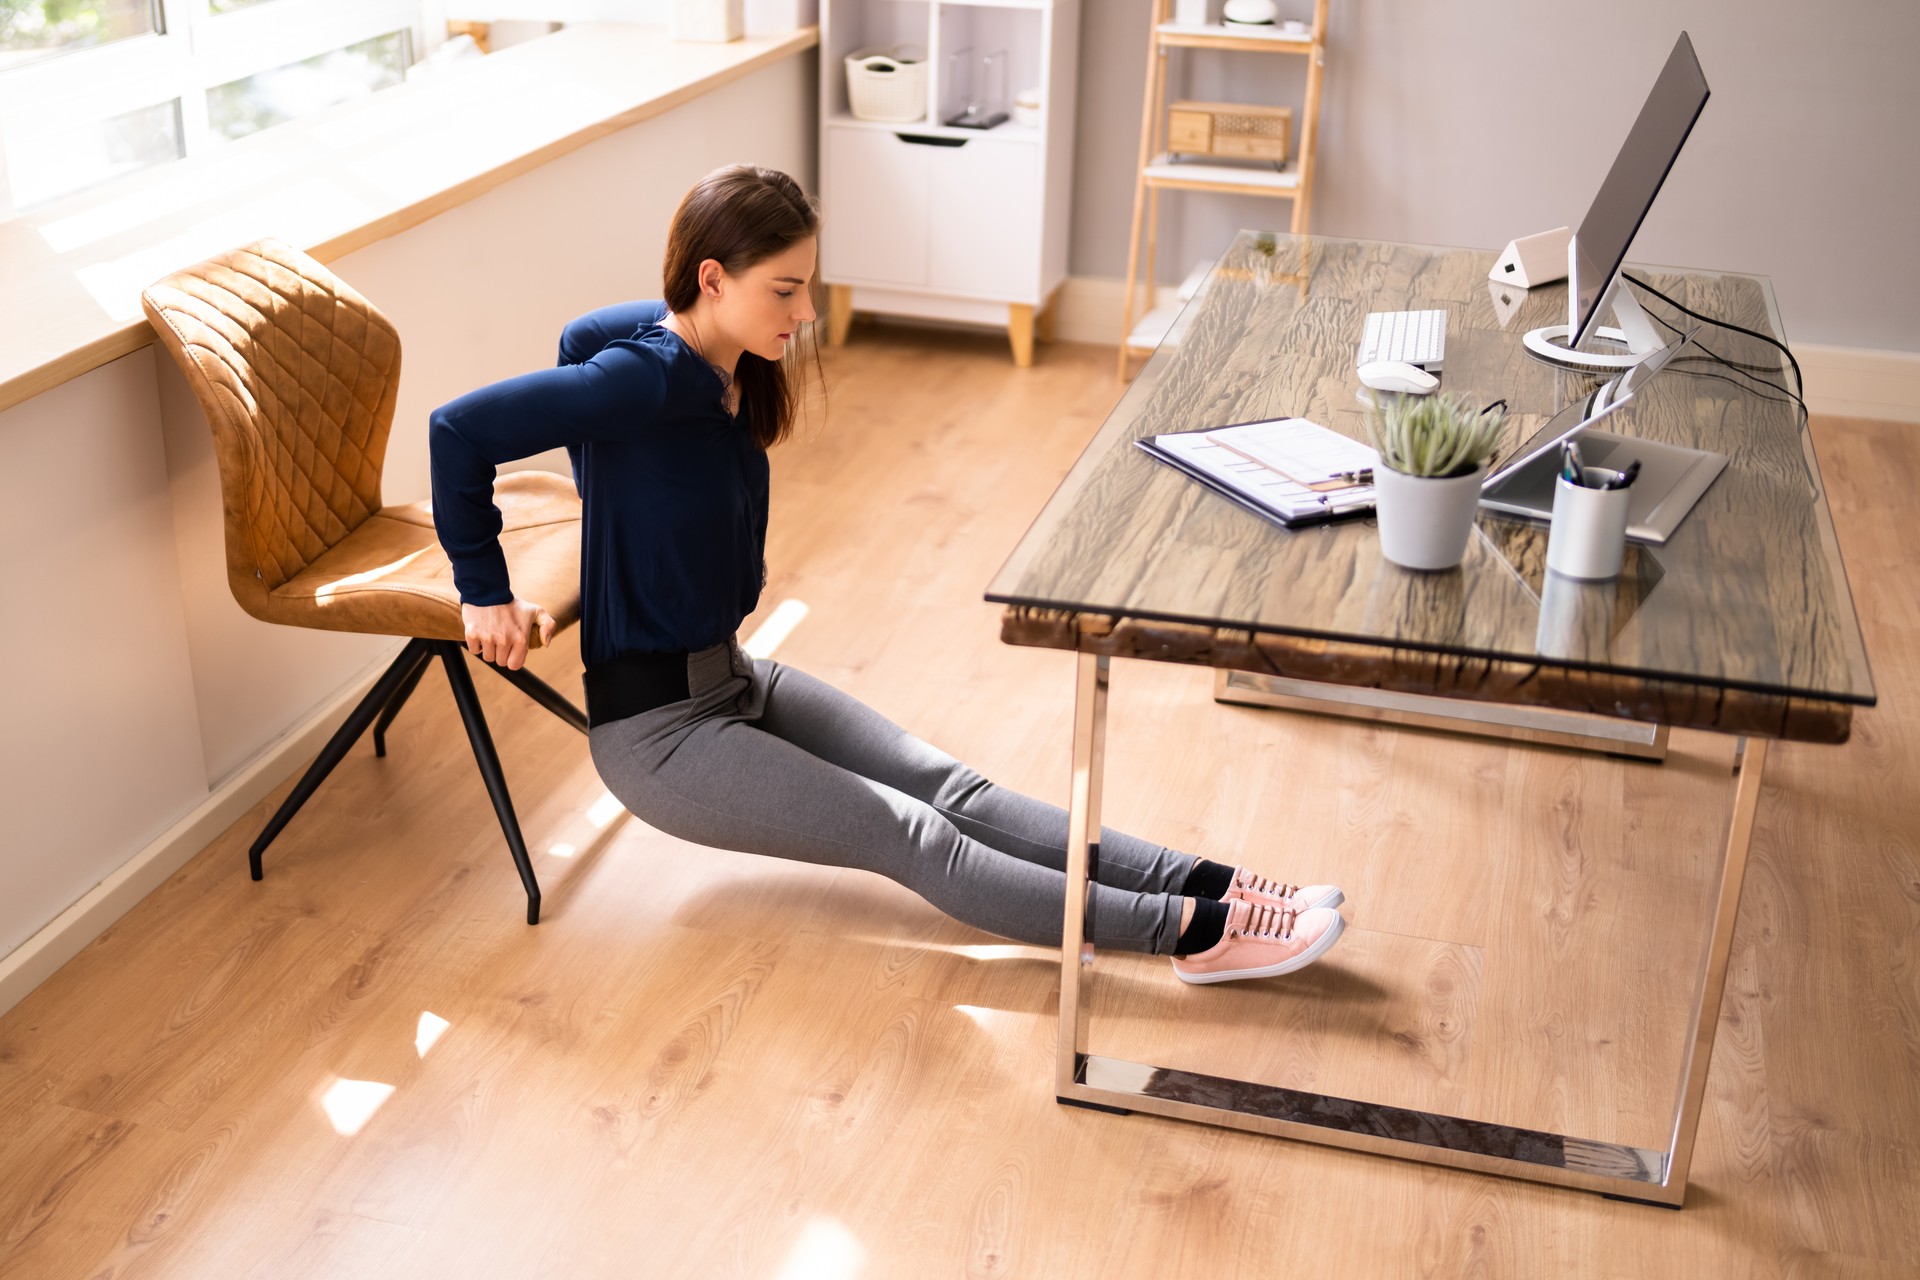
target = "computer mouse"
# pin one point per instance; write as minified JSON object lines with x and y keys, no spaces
{"x":1392,"y":375}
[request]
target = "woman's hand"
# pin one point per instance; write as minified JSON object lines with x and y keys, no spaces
{"x":500,"y":633}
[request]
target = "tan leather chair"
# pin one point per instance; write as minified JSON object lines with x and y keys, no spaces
{"x":298,"y":375}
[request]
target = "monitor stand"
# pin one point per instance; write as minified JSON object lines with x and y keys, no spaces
{"x":1635,"y":333}
{"x":1671,"y":480}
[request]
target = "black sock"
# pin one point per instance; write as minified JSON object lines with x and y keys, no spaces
{"x":1208,"y":879}
{"x":1204,"y":931}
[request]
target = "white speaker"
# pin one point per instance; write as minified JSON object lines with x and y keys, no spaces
{"x":1533,"y":260}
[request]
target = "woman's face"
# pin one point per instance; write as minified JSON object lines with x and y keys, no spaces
{"x":763,"y":307}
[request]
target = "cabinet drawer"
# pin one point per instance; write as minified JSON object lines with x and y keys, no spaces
{"x":1258,"y":148}
{"x":876,"y":208}
{"x":1189,"y":131}
{"x":986,"y":220}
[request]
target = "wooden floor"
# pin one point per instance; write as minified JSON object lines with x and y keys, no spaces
{"x":709,"y":1064}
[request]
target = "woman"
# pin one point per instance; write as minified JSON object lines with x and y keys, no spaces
{"x":667,"y":411}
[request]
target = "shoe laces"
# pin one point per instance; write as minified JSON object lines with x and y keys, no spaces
{"x":1267,"y":922}
{"x":1272,"y":888}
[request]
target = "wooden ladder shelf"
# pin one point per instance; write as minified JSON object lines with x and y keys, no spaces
{"x":1159,"y":171}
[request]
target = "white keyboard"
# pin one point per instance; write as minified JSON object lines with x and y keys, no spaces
{"x":1411,"y":337}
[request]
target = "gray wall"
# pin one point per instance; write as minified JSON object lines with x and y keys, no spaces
{"x":1444,"y":123}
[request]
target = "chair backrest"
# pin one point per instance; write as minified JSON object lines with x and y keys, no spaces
{"x":298,"y":375}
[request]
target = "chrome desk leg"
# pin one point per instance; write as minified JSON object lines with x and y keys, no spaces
{"x":1083,"y":856}
{"x":1712,"y":985}
{"x":1643,"y":1174}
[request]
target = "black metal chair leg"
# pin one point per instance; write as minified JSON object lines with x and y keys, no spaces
{"x":338,"y":745}
{"x":544,"y":694}
{"x":398,"y":701}
{"x":454,"y":658}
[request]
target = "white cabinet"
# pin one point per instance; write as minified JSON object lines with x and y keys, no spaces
{"x":874,"y":224}
{"x":937,"y":220}
{"x":984,"y":232}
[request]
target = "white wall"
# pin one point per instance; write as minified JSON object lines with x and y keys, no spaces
{"x":136,"y":684}
{"x":1474,"y":122}
{"x":101,"y":749}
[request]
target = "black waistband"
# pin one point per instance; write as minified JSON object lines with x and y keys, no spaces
{"x":636,"y":682}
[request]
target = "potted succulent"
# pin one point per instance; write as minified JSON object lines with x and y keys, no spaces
{"x":1434,"y":452}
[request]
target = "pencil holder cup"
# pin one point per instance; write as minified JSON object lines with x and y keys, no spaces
{"x":1589,"y":536}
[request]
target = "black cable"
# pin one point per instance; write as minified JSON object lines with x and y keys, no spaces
{"x":1754,"y":378}
{"x":1798,"y":380}
{"x":1785,"y":396}
{"x":1710,"y":353}
{"x":1737,"y":365}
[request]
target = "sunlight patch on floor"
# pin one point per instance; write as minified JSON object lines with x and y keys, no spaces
{"x":604,"y":810}
{"x":779,"y":625}
{"x":989,"y":1019}
{"x":826,"y":1250}
{"x":349,"y":1104}
{"x":432,"y":1027}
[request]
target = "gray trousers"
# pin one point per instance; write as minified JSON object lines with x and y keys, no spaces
{"x":766,"y":759}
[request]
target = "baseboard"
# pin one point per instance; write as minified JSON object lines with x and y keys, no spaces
{"x":1855,"y":382}
{"x":1850,"y":382}
{"x":1090,"y":309}
{"x":1086,"y":309}
{"x":62,"y":938}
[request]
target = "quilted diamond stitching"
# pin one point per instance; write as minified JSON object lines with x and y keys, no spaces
{"x":316,"y":440}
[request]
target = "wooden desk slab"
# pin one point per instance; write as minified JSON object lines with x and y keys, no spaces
{"x":1742,"y":622}
{"x":1674,"y":703}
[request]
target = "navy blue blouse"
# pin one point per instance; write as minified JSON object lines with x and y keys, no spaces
{"x":673,"y":489}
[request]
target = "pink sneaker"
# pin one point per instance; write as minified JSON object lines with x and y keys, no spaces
{"x":1263,"y":942}
{"x":1261,"y":891}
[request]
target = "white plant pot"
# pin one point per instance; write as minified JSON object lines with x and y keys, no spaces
{"x":1425,"y":522}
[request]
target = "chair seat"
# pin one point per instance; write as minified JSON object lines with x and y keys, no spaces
{"x":390,"y":577}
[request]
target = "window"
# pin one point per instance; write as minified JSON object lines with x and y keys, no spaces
{"x":31,"y":30}
{"x":93,"y":89}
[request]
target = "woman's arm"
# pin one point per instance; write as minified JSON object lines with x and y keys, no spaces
{"x":614,"y":394}
{"x":585,"y":338}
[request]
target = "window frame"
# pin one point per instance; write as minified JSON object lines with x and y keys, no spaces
{"x":192,"y":51}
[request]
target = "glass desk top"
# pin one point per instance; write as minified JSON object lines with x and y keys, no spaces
{"x":1749,"y":593}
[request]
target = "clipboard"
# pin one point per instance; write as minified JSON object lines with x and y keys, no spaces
{"x":1253,"y":484}
{"x":1305,"y":452}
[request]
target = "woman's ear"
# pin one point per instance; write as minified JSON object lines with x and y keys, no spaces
{"x":711,"y":274}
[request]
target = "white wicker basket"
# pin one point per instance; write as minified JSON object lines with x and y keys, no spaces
{"x":887,"y":84}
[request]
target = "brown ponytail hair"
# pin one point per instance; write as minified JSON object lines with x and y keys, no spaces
{"x":740,"y":215}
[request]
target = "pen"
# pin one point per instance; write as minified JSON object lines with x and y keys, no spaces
{"x":1570,"y":469}
{"x":1362,"y":476}
{"x":1625,"y":478}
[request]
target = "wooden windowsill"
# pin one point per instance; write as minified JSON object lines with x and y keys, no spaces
{"x":72,"y":273}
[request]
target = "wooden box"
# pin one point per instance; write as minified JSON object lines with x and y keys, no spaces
{"x":1234,"y":129}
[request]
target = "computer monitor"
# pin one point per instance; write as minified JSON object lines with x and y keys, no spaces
{"x":1600,"y":244}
